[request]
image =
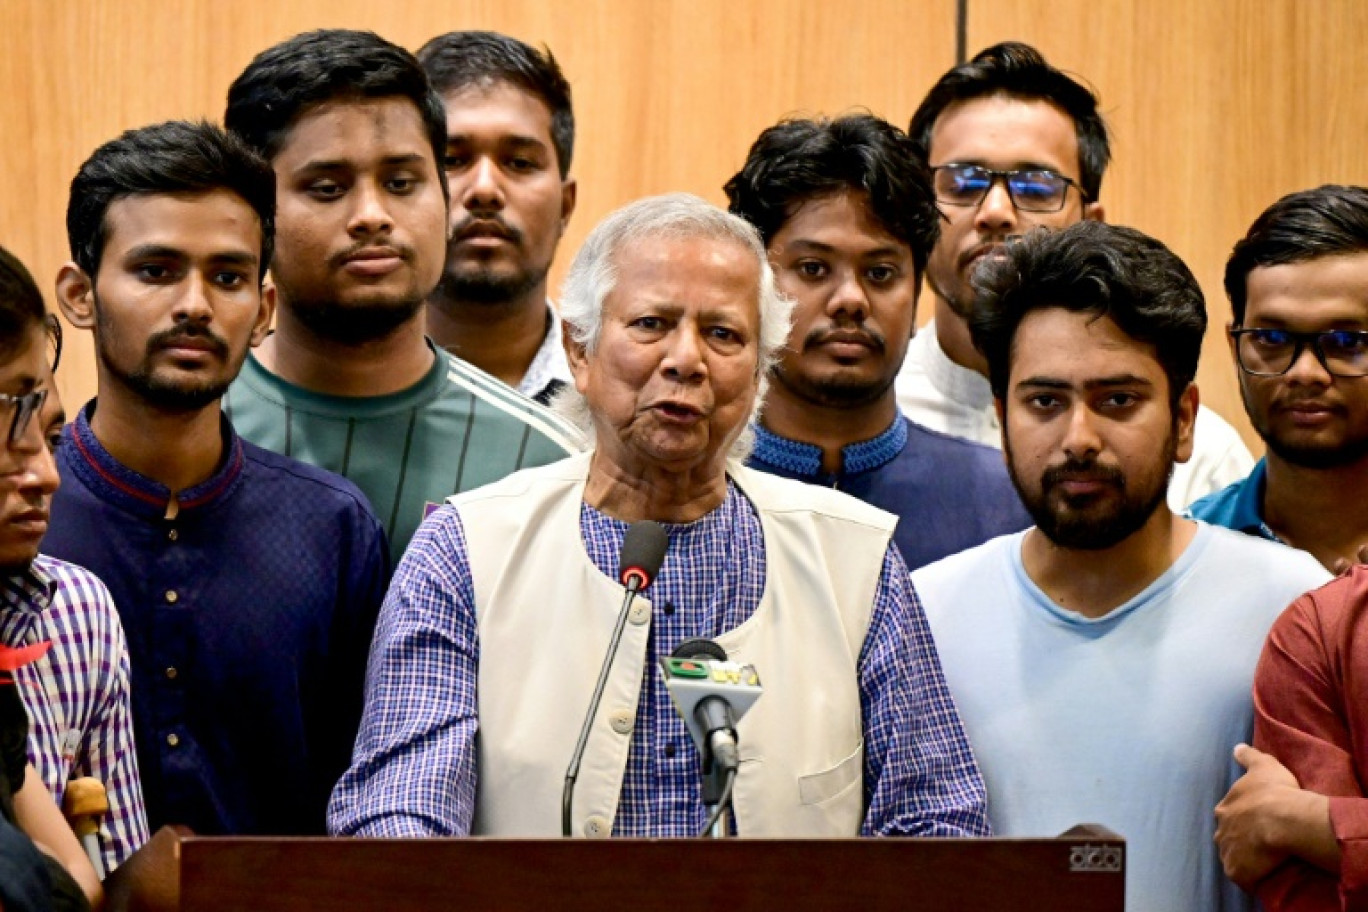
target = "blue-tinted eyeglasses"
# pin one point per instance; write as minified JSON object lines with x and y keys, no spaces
{"x":1272,"y":352}
{"x":1030,"y":189}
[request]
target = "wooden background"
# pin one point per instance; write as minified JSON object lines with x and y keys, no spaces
{"x":1218,"y":107}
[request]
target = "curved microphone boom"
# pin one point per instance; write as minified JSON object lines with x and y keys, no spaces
{"x":643,"y":551}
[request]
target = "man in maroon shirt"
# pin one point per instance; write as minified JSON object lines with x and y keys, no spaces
{"x":1294,"y":828}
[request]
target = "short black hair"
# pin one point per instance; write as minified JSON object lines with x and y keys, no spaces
{"x":1331,"y":220}
{"x":1091,"y":267}
{"x":1018,"y":70}
{"x":177,"y":156}
{"x":458,"y":60}
{"x":284,"y":82}
{"x":21,"y":304}
{"x":798,"y":160}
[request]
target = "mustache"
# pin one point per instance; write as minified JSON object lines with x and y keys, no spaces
{"x":493,"y":225}
{"x":171,"y":338}
{"x":1082,"y":470}
{"x":403,"y":251}
{"x":871,"y":337}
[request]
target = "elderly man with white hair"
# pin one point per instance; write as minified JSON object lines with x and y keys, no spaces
{"x":502,"y":608}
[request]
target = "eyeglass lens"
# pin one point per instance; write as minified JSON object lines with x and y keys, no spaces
{"x":1030,"y":191}
{"x":25,"y":407}
{"x":1270,"y":352}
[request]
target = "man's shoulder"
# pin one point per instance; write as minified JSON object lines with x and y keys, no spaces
{"x":293,"y":481}
{"x":967,"y":565}
{"x":466,"y":383}
{"x":952,"y":455}
{"x":78,"y":595}
{"x":961,"y":585}
{"x":1255,"y":570}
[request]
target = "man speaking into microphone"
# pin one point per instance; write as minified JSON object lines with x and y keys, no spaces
{"x":505,"y":610}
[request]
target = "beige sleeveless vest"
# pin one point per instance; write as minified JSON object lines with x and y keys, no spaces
{"x":545,"y":615}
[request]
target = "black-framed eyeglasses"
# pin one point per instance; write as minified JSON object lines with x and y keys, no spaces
{"x":1030,"y":189}
{"x":25,"y":408}
{"x":1272,"y":352}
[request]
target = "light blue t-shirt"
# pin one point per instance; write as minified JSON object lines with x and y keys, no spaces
{"x":1127,"y":720}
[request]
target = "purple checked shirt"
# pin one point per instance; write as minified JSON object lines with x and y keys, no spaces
{"x":414,"y":772}
{"x":80,"y":723}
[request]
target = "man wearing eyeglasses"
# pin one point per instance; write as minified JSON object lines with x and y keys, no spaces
{"x":1295,"y":827}
{"x":77,"y":694}
{"x":1015,"y":145}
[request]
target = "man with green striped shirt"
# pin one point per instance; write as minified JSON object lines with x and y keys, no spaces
{"x":348,"y":381}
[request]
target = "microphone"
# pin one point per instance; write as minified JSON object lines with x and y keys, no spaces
{"x":711,"y":694}
{"x":643,"y":551}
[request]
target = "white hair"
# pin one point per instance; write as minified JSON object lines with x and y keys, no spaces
{"x":593,"y":274}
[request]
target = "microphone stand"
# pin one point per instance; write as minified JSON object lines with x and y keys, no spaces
{"x":567,"y":794}
{"x":717,"y":797}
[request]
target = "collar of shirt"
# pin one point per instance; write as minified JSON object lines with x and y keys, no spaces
{"x":1239,"y":506}
{"x":289,"y":396}
{"x":119,"y":485}
{"x":805,"y":459}
{"x":550,"y":363}
{"x":956,"y":383}
{"x":24,"y":596}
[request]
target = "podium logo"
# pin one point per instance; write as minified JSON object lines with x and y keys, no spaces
{"x":1095,"y":859}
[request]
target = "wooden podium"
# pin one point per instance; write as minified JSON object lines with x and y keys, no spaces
{"x":1082,"y":871}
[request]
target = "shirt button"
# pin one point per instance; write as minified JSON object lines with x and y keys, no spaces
{"x":669,"y":751}
{"x":621,"y":720}
{"x":171,"y":596}
{"x":669,"y":608}
{"x":173,"y":739}
{"x":171,"y":674}
{"x":173,"y":535}
{"x":640,"y":613}
{"x":596,"y":827}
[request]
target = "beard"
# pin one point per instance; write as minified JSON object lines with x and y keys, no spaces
{"x":482,"y":285}
{"x":354,"y":324}
{"x":167,"y":394}
{"x":833,"y":392}
{"x":1351,"y":449}
{"x":1093,"y":522}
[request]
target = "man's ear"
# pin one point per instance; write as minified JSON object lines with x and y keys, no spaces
{"x":1094,"y":212}
{"x":1185,"y":421}
{"x":262,"y":327}
{"x":577,"y":356}
{"x":569,"y":196}
{"x":76,"y":296}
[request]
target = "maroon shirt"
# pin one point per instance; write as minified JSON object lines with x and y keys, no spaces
{"x":1311,"y":712}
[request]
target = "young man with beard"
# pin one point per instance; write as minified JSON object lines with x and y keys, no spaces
{"x":510,"y":137}
{"x":1014,"y":144}
{"x":1294,"y":827}
{"x":1102,"y":660}
{"x":248,"y":583}
{"x":348,"y":381}
{"x":845,"y":209}
{"x":77,"y":694}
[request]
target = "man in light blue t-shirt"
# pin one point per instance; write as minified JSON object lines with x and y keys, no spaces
{"x":1102,"y":660}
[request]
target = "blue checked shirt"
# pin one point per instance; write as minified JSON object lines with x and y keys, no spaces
{"x":413,"y":772}
{"x":77,"y":698}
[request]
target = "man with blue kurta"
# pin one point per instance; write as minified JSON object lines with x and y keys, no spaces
{"x":846,"y":210}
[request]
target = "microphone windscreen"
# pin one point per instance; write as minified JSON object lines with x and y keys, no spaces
{"x":643,"y":551}
{"x":705,"y":650}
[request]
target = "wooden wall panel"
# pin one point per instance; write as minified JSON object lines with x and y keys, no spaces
{"x":1218,"y":108}
{"x":669,"y":93}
